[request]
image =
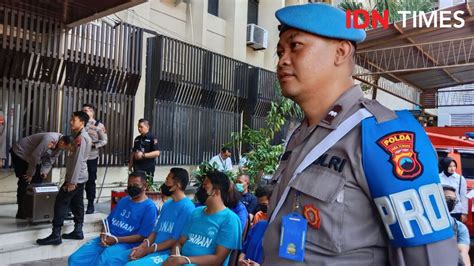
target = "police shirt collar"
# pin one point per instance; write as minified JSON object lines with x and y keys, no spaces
{"x":340,"y":108}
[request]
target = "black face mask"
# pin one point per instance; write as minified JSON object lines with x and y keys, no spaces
{"x":201,"y":195}
{"x":262,"y":207}
{"x":166,"y":190}
{"x":451,"y":203}
{"x":134,"y":191}
{"x":448,"y":174}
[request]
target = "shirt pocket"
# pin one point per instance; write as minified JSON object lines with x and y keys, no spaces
{"x":324,"y":190}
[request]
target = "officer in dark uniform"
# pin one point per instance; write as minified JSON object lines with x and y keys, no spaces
{"x":145,"y":149}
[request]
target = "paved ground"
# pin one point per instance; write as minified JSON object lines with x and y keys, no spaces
{"x":103,"y":207}
{"x":50,"y":262}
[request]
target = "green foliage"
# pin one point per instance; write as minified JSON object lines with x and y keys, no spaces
{"x":263,"y":158}
{"x":150,"y":184}
{"x":204,"y":168}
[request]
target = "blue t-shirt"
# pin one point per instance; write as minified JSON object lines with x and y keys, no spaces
{"x":205,"y":232}
{"x":462,"y":234}
{"x":131,"y":218}
{"x":252,"y":246}
{"x":242,"y":212}
{"x":250,"y":202}
{"x":173,"y":217}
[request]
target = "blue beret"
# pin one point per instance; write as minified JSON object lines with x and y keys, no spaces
{"x":320,"y":19}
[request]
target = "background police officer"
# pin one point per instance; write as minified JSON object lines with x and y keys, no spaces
{"x":33,"y":157}
{"x":98,"y":135}
{"x":71,"y":193}
{"x":333,"y":195}
{"x":145,"y":149}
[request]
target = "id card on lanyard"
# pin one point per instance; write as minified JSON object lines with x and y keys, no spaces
{"x":293,"y":237}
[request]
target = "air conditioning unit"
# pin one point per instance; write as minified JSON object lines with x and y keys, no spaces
{"x":257,"y":37}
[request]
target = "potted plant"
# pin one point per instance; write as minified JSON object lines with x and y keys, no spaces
{"x":152,"y":189}
{"x":263,"y":157}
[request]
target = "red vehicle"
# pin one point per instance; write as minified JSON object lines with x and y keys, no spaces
{"x":456,"y":143}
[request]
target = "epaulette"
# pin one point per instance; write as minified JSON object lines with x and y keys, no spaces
{"x":380,"y":112}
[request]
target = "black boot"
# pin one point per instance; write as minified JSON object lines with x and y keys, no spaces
{"x":53,"y":239}
{"x":76,"y":234}
{"x":90,"y":207}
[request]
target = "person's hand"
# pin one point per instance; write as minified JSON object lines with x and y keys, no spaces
{"x":44,"y":176}
{"x":138,"y":252}
{"x":175,"y":260}
{"x":138,"y":155}
{"x":464,"y":218}
{"x":109,"y":241}
{"x":68,"y":187}
{"x":27,"y":178}
{"x":247,"y":262}
{"x":103,"y":237}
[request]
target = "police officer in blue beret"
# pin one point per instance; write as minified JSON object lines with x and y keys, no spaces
{"x":357,"y":183}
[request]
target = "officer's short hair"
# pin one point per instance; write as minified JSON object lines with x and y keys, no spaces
{"x":181,"y":176}
{"x":263,"y":191}
{"x":66,"y":139}
{"x":449,"y":188}
{"x":145,"y":121}
{"x":225,"y":149}
{"x":90,"y":106}
{"x":83,"y":116}
{"x":220,"y":181}
{"x":138,"y":173}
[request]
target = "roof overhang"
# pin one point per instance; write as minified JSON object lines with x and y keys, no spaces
{"x":406,"y":61}
{"x":72,"y":12}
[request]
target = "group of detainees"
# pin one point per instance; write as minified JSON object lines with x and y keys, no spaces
{"x":209,"y":230}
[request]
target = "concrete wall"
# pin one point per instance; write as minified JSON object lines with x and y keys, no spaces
{"x":393,"y":102}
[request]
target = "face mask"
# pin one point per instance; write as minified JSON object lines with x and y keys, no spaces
{"x":134,"y":191}
{"x":201,"y":195}
{"x":166,"y":190}
{"x":451,"y":203}
{"x":448,"y":174}
{"x":239,"y":187}
{"x":263,"y":208}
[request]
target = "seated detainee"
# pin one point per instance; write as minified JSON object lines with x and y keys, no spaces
{"x":174,"y":214}
{"x":128,"y":224}
{"x":211,"y":232}
{"x":263,"y":194}
{"x":252,"y":249}
{"x":234,"y":203}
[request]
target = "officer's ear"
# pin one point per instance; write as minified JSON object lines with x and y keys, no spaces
{"x":344,"y":52}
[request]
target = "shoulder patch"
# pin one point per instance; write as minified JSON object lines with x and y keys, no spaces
{"x":400,"y":146}
{"x":380,"y":112}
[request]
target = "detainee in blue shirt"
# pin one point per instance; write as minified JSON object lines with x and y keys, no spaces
{"x":174,"y":214}
{"x":212,"y":231}
{"x":252,"y":249}
{"x":127,"y":225}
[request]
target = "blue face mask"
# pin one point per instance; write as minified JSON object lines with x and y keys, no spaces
{"x":239,"y":187}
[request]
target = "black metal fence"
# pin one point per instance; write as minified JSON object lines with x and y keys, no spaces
{"x":196,"y":98}
{"x":48,"y":71}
